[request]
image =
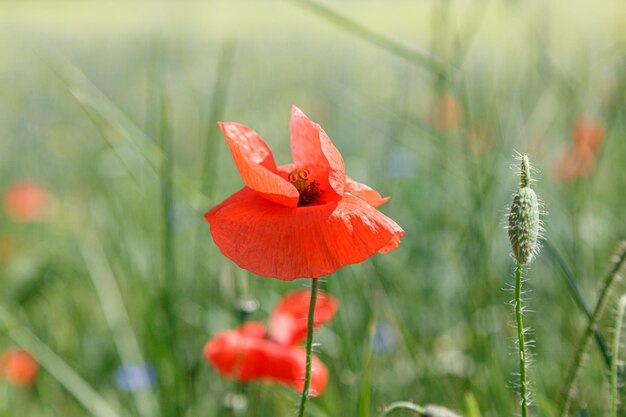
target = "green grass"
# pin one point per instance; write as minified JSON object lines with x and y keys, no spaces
{"x":81,"y":112}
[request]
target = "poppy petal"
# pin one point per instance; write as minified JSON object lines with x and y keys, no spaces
{"x":304,"y":242}
{"x":312,"y":149}
{"x":256,"y":165}
{"x":246,"y":358}
{"x":367,"y":194}
{"x":242,"y":195}
{"x":288,"y":321}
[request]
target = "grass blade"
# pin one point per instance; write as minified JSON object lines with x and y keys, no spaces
{"x":116,"y":316}
{"x":572,"y":287}
{"x":420,"y":58}
{"x":95,"y":404}
{"x":614,"y":363}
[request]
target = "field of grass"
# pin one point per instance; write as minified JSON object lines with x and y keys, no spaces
{"x":112,"y":107}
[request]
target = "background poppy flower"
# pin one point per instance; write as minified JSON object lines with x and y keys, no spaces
{"x":288,"y":321}
{"x":26,"y":201}
{"x":301,"y":220}
{"x":18,"y":367}
{"x":587,"y":134}
{"x":249,"y":353}
{"x":574,"y":165}
{"x":245,"y":354}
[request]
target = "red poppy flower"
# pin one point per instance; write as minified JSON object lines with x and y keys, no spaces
{"x":288,"y":321}
{"x":26,"y":201}
{"x":587,"y":134}
{"x":302,"y":220}
{"x":574,"y":165}
{"x":244,"y":354}
{"x":248,"y":353}
{"x":18,"y":367}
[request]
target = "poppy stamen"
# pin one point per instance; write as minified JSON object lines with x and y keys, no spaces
{"x":309,"y":190}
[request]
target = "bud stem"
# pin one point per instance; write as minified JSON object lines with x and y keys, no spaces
{"x":520,"y":339}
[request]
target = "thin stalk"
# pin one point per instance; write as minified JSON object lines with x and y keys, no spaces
{"x":568,"y":275}
{"x":85,"y":394}
{"x":583,"y":346}
{"x":167,"y":290}
{"x":309,"y":348}
{"x":402,"y":405}
{"x":116,"y":316}
{"x":417,"y":57}
{"x":520,"y":339}
{"x":616,"y":342}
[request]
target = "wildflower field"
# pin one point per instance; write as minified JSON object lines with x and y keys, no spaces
{"x":195,"y":220}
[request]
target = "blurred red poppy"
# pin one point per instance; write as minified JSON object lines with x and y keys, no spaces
{"x":444,"y":112}
{"x":587,"y":134}
{"x":574,"y":165}
{"x":26,"y":201}
{"x":249,"y":353}
{"x":245,"y":354}
{"x":288,"y":321}
{"x":18,"y":367}
{"x":301,"y":220}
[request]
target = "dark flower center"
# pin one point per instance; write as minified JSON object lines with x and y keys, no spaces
{"x":310,"y":191}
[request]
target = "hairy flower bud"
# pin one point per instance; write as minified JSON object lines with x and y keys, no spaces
{"x":524,"y":223}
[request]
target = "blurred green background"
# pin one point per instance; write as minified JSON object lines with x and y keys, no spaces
{"x":427,"y":101}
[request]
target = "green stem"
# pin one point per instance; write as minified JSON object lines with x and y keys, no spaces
{"x":402,"y":405}
{"x":592,"y":326}
{"x":520,"y":338}
{"x":309,"y":348}
{"x":616,"y":342}
{"x":417,"y":57}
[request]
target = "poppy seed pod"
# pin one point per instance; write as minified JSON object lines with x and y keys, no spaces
{"x":524,"y":223}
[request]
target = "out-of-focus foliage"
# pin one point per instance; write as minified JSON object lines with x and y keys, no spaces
{"x":115,"y":274}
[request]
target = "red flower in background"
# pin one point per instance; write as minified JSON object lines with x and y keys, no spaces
{"x":18,"y":367}
{"x":247,"y":353}
{"x":587,"y":134}
{"x":26,"y":201}
{"x":288,"y":321}
{"x":574,"y":165}
{"x":587,"y":137}
{"x":443,"y":112}
{"x":301,"y":220}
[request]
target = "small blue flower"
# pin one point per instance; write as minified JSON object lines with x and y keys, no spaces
{"x":133,"y":377}
{"x":384,"y":339}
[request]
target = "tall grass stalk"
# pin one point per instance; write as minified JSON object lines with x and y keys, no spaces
{"x":418,"y":57}
{"x":87,"y":396}
{"x":108,"y":292}
{"x":576,"y":294}
{"x":621,"y":308}
{"x":611,"y":277}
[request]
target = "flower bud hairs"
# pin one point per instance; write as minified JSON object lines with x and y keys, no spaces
{"x":524,"y":223}
{"x":525,"y":230}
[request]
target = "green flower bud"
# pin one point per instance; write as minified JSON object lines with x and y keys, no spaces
{"x":524,"y":223}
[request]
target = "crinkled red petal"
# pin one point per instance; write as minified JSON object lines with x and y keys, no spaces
{"x":288,"y":321}
{"x":303,"y":242}
{"x":312,"y":149}
{"x":367,"y":194}
{"x":246,"y":358}
{"x":255,"y":163}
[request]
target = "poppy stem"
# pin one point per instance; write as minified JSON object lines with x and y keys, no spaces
{"x":309,"y":348}
{"x":523,"y":384}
